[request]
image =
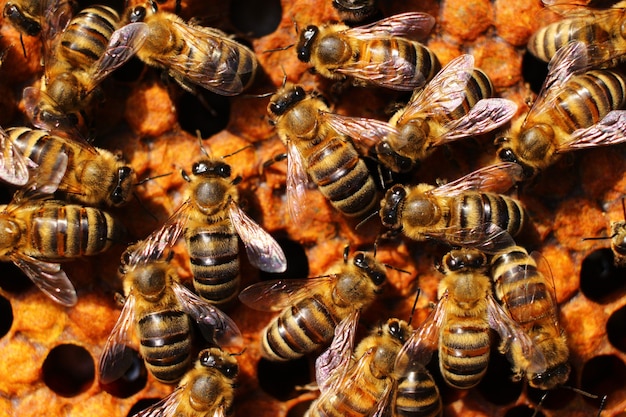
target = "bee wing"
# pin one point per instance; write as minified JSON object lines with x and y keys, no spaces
{"x":514,"y":339}
{"x":610,"y":130}
{"x":444,"y":93}
{"x":166,"y":407}
{"x":297,"y":180}
{"x":568,"y":60}
{"x":123,"y":45}
{"x":215,"y":325}
{"x":332,"y":365}
{"x":220,"y":412}
{"x":262,"y":249}
{"x":217,"y":69}
{"x":153,"y":246}
{"x":31,"y":97}
{"x":49,"y":184}
{"x":14,"y":167}
{"x":365,"y":132}
{"x":412,"y":24}
{"x":497,"y":178}
{"x":115,"y":359}
{"x":487,"y":115}
{"x":49,"y":278}
{"x":488,"y":237}
{"x":395,"y":73}
{"x":384,"y":407}
{"x":55,"y":16}
{"x":278,"y":294}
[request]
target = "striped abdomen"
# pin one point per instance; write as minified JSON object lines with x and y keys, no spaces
{"x":300,"y":329}
{"x":478,"y":87}
{"x":39,"y":146}
{"x":585,"y":99}
{"x":57,"y":230}
{"x":87,"y":36}
{"x":214,"y":256}
{"x":464,"y":350}
{"x":417,"y":395}
{"x":165,"y":344}
{"x":341,"y":176}
{"x":522,"y":289}
{"x":472,"y":210}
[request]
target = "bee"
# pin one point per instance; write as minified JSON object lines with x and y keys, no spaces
{"x":525,"y":293}
{"x":355,"y":10}
{"x":38,"y":233}
{"x":207,"y":390}
{"x":159,"y":309}
{"x":312,"y":308}
{"x":453,"y":105}
{"x":456,"y":212}
{"x":28,"y":16}
{"x":600,"y":30}
{"x":314,"y":147}
{"x":378,"y":53}
{"x":459,"y":325}
{"x":366,"y":380}
{"x":192,"y":54}
{"x":573,"y":111}
{"x":81,"y":172}
{"x":84,"y":53}
{"x":214,"y":221}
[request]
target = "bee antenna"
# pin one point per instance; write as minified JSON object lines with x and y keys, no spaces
{"x":366,"y":219}
{"x":395,"y":268}
{"x":202,"y":148}
{"x":419,"y":290}
{"x":263,"y":95}
{"x":600,"y":237}
{"x":237,"y":180}
{"x":539,"y":404}
{"x":145,"y":180}
{"x":583,"y":393}
{"x":184,"y":175}
{"x":239,"y":353}
{"x":237,"y":151}
{"x":346,"y":252}
{"x":602,"y":404}
{"x":282,"y":48}
{"x":143,"y":206}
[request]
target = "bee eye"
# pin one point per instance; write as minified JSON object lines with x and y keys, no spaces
{"x":507,"y":155}
{"x":138,"y":14}
{"x":199,"y":168}
{"x":359,"y":261}
{"x":394,"y":328}
{"x":207,"y":359}
{"x":277,"y":108}
{"x":230,"y":370}
{"x":304,"y":46}
{"x":223,"y":170}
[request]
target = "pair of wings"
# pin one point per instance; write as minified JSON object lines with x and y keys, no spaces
{"x":396,"y":72}
{"x":439,"y":97}
{"x":566,"y":63}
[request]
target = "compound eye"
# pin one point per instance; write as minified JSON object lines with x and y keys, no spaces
{"x":138,"y":14}
{"x":199,"y":168}
{"x":223,"y":170}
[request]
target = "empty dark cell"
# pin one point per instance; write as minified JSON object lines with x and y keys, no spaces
{"x":68,"y":370}
{"x":534,"y":71}
{"x":6,"y":316}
{"x":12,"y":279}
{"x":142,"y":405}
{"x":258,"y":18}
{"x":299,"y":409}
{"x":297,"y":262}
{"x":497,"y":386}
{"x":204,"y":111}
{"x":616,"y":329}
{"x":129,"y":72}
{"x":604,"y":375}
{"x":280,"y":379}
{"x":133,"y":380}
{"x":555,"y":399}
{"x":523,"y":411}
{"x":447,"y":393}
{"x":600,"y":279}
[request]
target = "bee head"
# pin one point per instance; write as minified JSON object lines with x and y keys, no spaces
{"x":393,"y":160}
{"x":551,"y":377}
{"x":224,"y":363}
{"x":207,"y":168}
{"x":122,"y":186}
{"x":457,"y":260}
{"x":16,"y":16}
{"x":391,"y":207}
{"x":137,"y":14}
{"x":281,"y":102}
{"x":307,"y":37}
{"x":373,"y":269}
{"x":399,"y":330}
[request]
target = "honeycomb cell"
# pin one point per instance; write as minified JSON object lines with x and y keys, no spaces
{"x":13,"y":280}
{"x":280,"y":379}
{"x":203,"y":112}
{"x":616,"y":329}
{"x":68,"y":370}
{"x":534,"y":72}
{"x":556,"y":399}
{"x":141,"y":405}
{"x":604,"y":375}
{"x":497,"y":385}
{"x":297,"y":262}
{"x":600,"y":280}
{"x":133,"y":381}
{"x":6,"y":316}
{"x":255,"y":18}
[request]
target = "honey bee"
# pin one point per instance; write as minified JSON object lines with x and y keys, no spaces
{"x":573,"y":111}
{"x":76,"y":62}
{"x":213,"y":222}
{"x":37,"y":234}
{"x":599,"y":29}
{"x":192,"y":54}
{"x":158,"y":308}
{"x":453,"y":105}
{"x":207,"y":390}
{"x":314,"y":147}
{"x":79,"y":171}
{"x":459,"y":326}
{"x":355,"y":10}
{"x":312,"y":308}
{"x":375,"y":54}
{"x":366,"y":380}
{"x":525,"y":293}
{"x":456,"y":212}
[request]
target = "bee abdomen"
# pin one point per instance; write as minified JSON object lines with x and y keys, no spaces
{"x":478,"y":87}
{"x":474,"y":210}
{"x":464,"y":354}
{"x":418,"y":395}
{"x":165,"y":338}
{"x":301,"y":329}
{"x":546,"y":41}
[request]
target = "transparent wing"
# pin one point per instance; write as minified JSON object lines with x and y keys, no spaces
{"x":487,"y":115}
{"x":332,"y":365}
{"x":366,"y":133}
{"x":262,"y":249}
{"x":214,"y":324}
{"x":278,"y":294}
{"x":412,"y":24}
{"x":395,"y":73}
{"x":444,"y":93}
{"x":49,"y":278}
{"x":14,"y":167}
{"x":115,"y":359}
{"x":610,"y":130}
{"x":297,"y":180}
{"x":497,"y":178}
{"x":54,"y":20}
{"x":166,"y":407}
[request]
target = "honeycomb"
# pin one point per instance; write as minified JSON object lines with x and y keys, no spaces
{"x":49,"y":354}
